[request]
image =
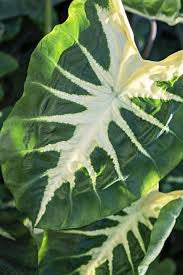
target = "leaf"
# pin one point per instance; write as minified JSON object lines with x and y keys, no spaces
{"x":169,"y":11}
{"x":4,"y":114}
{"x":141,"y":29}
{"x":97,"y":126}
{"x":123,"y":244}
{"x":18,"y":253}
{"x":9,"y":29}
{"x":166,"y":266}
{"x":176,"y":177}
{"x":174,"y":181}
{"x":8,"y":64}
{"x":1,"y":93}
{"x":9,"y":8}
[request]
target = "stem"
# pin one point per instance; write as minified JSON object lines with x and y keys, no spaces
{"x":151,"y":39}
{"x":48,"y":16}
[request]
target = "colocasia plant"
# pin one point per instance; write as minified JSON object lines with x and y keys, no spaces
{"x":85,"y":147}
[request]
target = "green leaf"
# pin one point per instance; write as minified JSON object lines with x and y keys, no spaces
{"x":9,"y":28}
{"x":18,"y":253}
{"x":164,"y":267}
{"x":175,"y":178}
{"x":97,"y":126}
{"x":4,"y":114}
{"x":1,"y":93}
{"x":174,"y":181}
{"x":8,"y":64}
{"x":169,"y":11}
{"x":9,"y":8}
{"x":125,"y":244}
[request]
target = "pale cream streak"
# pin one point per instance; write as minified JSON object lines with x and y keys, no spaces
{"x":130,"y":106}
{"x":72,"y":119}
{"x":79,"y":99}
{"x":138,"y":237}
{"x":113,"y":182}
{"x":116,"y":39}
{"x":131,"y":61}
{"x":125,"y":127}
{"x":175,"y":179}
{"x":57,"y":147}
{"x":89,"y":87}
{"x":103,"y":75}
{"x":139,"y":212}
{"x":126,"y":58}
{"x":5,"y":234}
{"x":91,"y":172}
{"x":154,"y":93}
{"x":110,"y":264}
{"x":124,"y":23}
{"x":104,"y":143}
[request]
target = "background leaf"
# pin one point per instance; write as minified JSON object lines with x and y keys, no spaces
{"x":8,"y":64}
{"x":165,"y":267}
{"x":9,"y":8}
{"x":9,"y":28}
{"x":169,"y":11}
{"x":18,"y":254}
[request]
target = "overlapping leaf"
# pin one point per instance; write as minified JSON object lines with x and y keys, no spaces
{"x":121,"y":244}
{"x":176,"y":178}
{"x":97,"y":125}
{"x":8,"y":64}
{"x":10,"y":9}
{"x":164,"y":267}
{"x":9,"y":29}
{"x":174,"y":181}
{"x":18,"y":253}
{"x":169,"y":11}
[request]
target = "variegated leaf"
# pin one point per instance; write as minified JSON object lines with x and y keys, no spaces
{"x":97,"y":125}
{"x":126,"y":243}
{"x":169,"y":11}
